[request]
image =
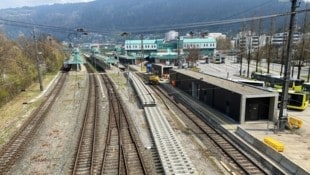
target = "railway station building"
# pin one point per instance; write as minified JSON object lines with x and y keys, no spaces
{"x":171,"y":49}
{"x":240,"y":102}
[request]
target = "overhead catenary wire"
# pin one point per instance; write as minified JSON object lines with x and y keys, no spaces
{"x":250,"y":9}
{"x":212,"y":23}
{"x":150,"y":29}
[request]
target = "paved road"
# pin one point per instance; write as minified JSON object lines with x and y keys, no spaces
{"x":231,"y":69}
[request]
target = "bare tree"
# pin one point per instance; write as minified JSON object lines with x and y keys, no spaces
{"x":300,"y":48}
{"x":249,"y":47}
{"x":284,"y":43}
{"x":269,"y":45}
{"x":258,"y":47}
{"x":223,"y":44}
{"x":193,"y":55}
{"x":242,"y":45}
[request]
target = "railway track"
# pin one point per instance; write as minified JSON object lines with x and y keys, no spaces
{"x":13,"y":150}
{"x":85,"y":155}
{"x":240,"y":162}
{"x":121,"y":154}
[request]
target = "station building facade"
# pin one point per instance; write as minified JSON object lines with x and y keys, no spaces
{"x":172,"y":50}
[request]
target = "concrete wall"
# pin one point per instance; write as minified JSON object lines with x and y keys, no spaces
{"x":279,"y":159}
{"x":240,"y":108}
{"x":221,"y":99}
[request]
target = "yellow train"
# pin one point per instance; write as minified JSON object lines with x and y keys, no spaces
{"x":154,"y":79}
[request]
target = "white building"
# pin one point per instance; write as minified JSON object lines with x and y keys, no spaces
{"x":249,"y":40}
{"x":281,"y":38}
{"x":217,"y":35}
{"x":171,"y":35}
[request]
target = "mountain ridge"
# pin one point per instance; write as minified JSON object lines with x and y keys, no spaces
{"x":122,"y":15}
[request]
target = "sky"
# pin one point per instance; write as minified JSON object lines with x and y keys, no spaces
{"x":20,"y":3}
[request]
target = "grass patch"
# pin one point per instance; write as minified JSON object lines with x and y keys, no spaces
{"x":15,"y":113}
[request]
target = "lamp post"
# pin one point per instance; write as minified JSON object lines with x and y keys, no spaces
{"x":284,"y":98}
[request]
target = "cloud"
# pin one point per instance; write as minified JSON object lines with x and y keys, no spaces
{"x":21,"y":3}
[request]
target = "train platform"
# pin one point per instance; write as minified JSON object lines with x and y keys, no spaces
{"x":295,"y":157}
{"x":296,"y":154}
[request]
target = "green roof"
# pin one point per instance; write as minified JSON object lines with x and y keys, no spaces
{"x":166,"y":55}
{"x":75,"y":59}
{"x":128,"y":57}
{"x":106,"y":59}
{"x":199,"y":40}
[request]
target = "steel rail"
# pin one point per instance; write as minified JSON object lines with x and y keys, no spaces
{"x":84,"y":158}
{"x":121,"y":122}
{"x":13,"y":150}
{"x":245,"y":164}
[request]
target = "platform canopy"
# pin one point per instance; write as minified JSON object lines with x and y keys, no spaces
{"x":75,"y":58}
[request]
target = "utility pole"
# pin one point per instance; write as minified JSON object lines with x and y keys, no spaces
{"x":142,"y":52}
{"x":284,"y":98}
{"x":37,"y":60}
{"x":178,"y":47}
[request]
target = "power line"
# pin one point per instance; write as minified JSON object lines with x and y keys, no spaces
{"x":215,"y":23}
{"x":250,"y":9}
{"x":150,"y":29}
